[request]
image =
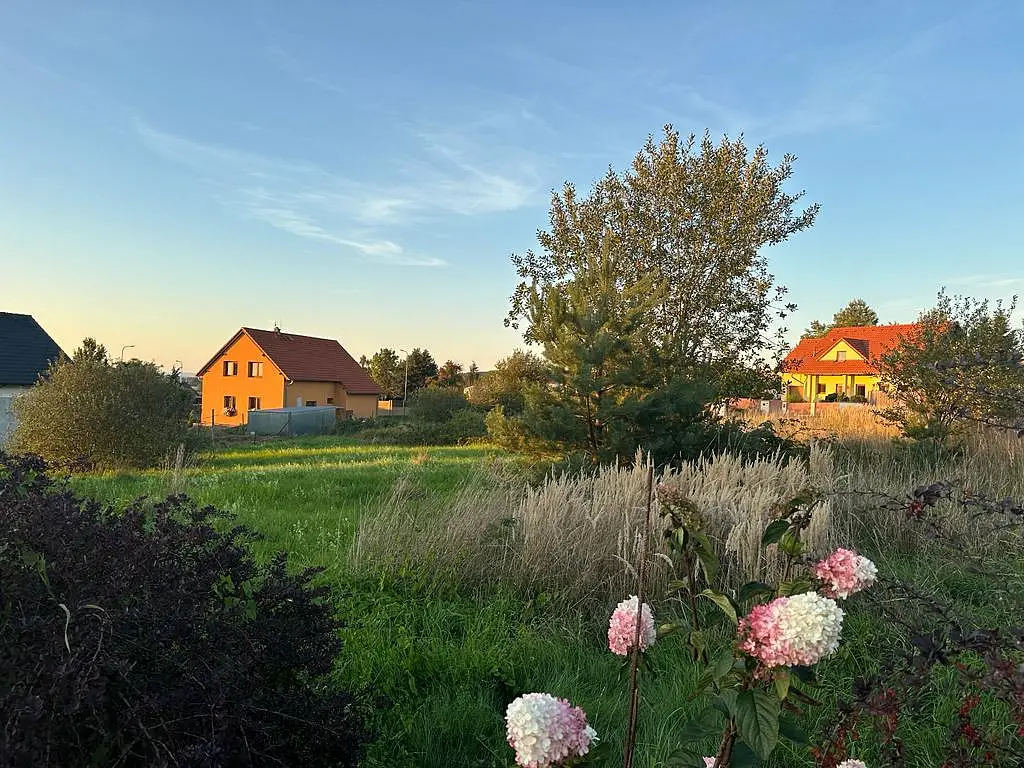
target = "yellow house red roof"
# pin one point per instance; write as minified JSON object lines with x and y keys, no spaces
{"x":871,"y":341}
{"x":308,"y":358}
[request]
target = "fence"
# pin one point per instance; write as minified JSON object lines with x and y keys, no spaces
{"x":317,"y":420}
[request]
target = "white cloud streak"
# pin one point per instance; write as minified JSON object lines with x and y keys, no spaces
{"x":313,"y":203}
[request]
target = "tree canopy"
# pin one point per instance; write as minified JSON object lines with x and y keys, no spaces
{"x":856,"y":313}
{"x":688,"y":222}
{"x":961,"y":366}
{"x":389,"y":372}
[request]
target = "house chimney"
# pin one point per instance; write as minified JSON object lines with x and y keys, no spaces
{"x":277,"y":328}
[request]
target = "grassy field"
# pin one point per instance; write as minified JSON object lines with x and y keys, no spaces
{"x":444,"y":656}
{"x":303,"y":495}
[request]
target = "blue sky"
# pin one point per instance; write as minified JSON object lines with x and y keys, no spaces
{"x":172,"y":171}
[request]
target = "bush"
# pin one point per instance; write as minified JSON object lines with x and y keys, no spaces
{"x":109,"y":416}
{"x":148,"y":638}
{"x":462,"y":426}
{"x":436,"y":404}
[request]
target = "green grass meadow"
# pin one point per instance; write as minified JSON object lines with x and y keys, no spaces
{"x":444,"y":663}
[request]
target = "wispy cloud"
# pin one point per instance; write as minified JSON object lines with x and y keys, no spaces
{"x":445,"y":176}
{"x":987,"y":282}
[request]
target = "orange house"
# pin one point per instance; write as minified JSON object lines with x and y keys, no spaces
{"x":273,"y":369}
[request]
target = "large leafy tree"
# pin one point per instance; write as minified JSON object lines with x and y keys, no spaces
{"x":689,"y":220}
{"x":961,"y":366}
{"x":389,"y":372}
{"x":856,"y":313}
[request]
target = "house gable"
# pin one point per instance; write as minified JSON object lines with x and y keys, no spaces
{"x":863,"y":346}
{"x":26,"y":350}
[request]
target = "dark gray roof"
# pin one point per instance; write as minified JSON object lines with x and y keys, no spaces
{"x":26,"y":350}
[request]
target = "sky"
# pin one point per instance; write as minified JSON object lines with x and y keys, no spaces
{"x":171,"y":171}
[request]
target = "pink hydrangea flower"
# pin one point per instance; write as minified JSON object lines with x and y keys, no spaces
{"x":845,"y":573}
{"x":852,"y":764}
{"x":709,"y":762}
{"x":790,"y":631}
{"x":544,"y":730}
{"x":622,"y":627}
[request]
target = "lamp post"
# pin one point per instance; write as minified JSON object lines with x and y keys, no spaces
{"x":405,"y":392}
{"x":126,"y":346}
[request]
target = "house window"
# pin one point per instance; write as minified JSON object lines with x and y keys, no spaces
{"x":255,"y":370}
{"x":821,"y":388}
{"x":861,"y":391}
{"x":254,"y":403}
{"x":229,"y":402}
{"x":311,"y":403}
{"x":230,"y":368}
{"x":840,"y":354}
{"x":330,"y":401}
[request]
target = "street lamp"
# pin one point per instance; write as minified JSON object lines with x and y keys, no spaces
{"x":126,"y":346}
{"x":405,"y":393}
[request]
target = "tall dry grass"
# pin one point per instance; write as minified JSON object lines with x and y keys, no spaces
{"x":578,"y":538}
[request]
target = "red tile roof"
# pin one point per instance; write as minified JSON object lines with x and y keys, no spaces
{"x":308,"y":358}
{"x":872,"y":341}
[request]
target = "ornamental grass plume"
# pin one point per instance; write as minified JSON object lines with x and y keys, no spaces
{"x":792,"y":631}
{"x":852,"y":764}
{"x":544,"y":730}
{"x":845,"y":573}
{"x":622,"y":627}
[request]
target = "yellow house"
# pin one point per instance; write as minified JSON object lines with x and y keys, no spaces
{"x":260,"y":369}
{"x":843,"y":362}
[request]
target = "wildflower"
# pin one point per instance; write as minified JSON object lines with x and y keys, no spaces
{"x":844,"y":573}
{"x":544,"y":730}
{"x":622,"y":627}
{"x":709,"y":762}
{"x":790,"y":631}
{"x":852,"y":764}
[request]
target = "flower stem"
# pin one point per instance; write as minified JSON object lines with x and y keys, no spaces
{"x":634,"y":690}
{"x":724,"y":757}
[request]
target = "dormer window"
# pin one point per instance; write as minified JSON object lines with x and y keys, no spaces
{"x":840,"y":354}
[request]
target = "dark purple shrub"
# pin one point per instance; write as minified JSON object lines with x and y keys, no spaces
{"x":149,"y":638}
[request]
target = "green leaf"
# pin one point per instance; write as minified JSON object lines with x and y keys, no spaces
{"x":669,"y":629}
{"x":781,"y":683}
{"x":757,"y":719}
{"x":697,"y":641}
{"x":707,"y":557}
{"x":790,"y":730}
{"x":723,"y":602}
{"x":723,"y":664}
{"x":725,"y":701}
{"x":684,"y":757}
{"x":794,"y":587}
{"x":773,"y":533}
{"x":744,"y":757}
{"x":754,"y":589}
{"x":709,"y":723}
